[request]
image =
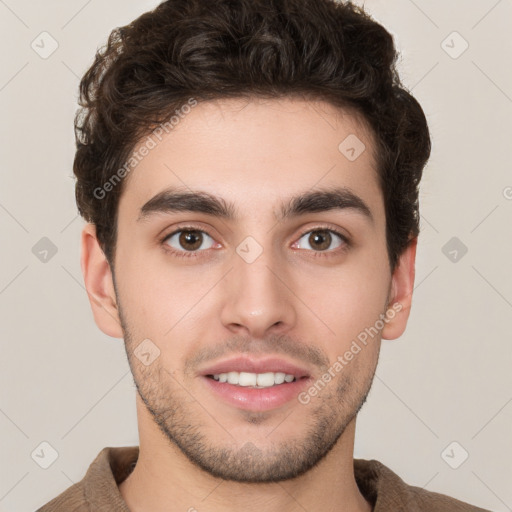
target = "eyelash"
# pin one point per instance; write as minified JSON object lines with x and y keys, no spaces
{"x":194,"y":254}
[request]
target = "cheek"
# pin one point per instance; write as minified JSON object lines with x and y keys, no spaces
{"x":350,"y":300}
{"x":160,"y":299}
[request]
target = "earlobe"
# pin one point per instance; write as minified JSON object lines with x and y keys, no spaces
{"x":99,"y":284}
{"x":400,"y":299}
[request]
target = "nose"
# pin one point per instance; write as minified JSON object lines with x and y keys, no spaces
{"x":257,"y":298}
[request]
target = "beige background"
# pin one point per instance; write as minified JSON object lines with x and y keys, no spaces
{"x":446,"y":380}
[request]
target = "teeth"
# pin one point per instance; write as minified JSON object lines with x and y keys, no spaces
{"x":257,"y":380}
{"x":265,"y":380}
{"x":279,"y":377}
{"x":247,"y":379}
{"x":233,"y":377}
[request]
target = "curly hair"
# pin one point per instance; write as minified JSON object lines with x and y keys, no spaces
{"x":214,"y":49}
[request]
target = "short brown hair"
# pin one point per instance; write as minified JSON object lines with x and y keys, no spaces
{"x":214,"y":49}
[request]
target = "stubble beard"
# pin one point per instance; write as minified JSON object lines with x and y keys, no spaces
{"x":176,"y":414}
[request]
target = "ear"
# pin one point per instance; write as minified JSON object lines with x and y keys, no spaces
{"x":99,"y":284}
{"x":400,"y":296}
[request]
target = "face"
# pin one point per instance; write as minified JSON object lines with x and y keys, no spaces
{"x":252,"y":283}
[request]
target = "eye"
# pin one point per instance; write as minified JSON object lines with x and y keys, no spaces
{"x":188,"y":240}
{"x":320,"y":240}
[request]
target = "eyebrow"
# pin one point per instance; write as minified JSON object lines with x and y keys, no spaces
{"x":173,"y":200}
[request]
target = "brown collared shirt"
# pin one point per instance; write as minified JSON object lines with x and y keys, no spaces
{"x":98,"y":491}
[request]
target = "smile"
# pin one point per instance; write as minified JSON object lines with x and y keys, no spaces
{"x":255,"y":384}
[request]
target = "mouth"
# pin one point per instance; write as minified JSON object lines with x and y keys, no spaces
{"x":255,"y":385}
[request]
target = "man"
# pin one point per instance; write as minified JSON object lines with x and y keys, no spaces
{"x":249,"y":171}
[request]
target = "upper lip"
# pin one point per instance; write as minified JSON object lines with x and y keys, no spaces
{"x":251,"y":365}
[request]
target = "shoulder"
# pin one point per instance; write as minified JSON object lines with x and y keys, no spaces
{"x":72,"y":500}
{"x":388,"y":492}
{"x":98,"y":491}
{"x":433,"y":501}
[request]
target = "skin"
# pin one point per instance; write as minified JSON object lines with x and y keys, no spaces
{"x":287,"y":303}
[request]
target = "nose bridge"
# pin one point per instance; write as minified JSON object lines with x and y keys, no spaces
{"x":256,"y":298}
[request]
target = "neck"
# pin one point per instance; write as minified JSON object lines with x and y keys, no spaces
{"x":165,"y":480}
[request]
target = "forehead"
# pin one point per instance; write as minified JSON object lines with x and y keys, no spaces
{"x":256,"y":152}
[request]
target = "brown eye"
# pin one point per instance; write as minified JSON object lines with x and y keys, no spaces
{"x":188,"y":240}
{"x":321,"y":239}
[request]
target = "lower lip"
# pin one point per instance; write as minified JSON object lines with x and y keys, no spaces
{"x":257,"y":399}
